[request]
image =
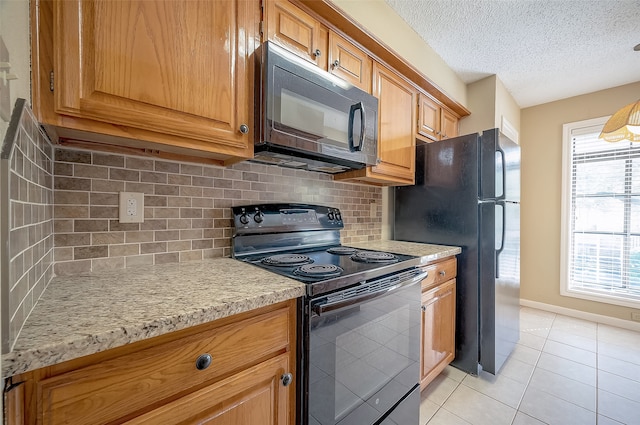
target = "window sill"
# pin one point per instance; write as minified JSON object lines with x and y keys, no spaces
{"x":601,"y":297}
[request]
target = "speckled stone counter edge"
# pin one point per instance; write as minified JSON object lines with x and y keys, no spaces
{"x":17,"y":362}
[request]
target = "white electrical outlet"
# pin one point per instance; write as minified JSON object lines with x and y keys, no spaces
{"x":373,"y":211}
{"x":131,"y":207}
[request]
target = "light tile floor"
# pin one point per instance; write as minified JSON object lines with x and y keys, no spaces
{"x":563,"y":371}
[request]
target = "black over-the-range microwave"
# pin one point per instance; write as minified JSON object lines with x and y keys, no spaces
{"x":310,"y":119}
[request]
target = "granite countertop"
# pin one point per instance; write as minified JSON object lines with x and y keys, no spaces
{"x":427,"y":252}
{"x":84,"y":314}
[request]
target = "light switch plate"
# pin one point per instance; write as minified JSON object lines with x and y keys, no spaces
{"x":131,"y":207}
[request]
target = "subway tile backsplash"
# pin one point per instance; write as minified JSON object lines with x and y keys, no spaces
{"x":29,"y":257}
{"x":186,"y":207}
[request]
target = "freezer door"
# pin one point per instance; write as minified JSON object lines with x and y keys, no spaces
{"x":500,"y":294}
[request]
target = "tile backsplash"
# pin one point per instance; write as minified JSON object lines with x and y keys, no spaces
{"x":28,"y":206}
{"x":187,"y":213}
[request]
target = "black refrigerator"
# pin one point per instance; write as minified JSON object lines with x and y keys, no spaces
{"x":467,"y":194}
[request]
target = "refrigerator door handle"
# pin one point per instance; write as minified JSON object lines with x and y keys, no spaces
{"x":504,"y":174}
{"x":502,"y":205}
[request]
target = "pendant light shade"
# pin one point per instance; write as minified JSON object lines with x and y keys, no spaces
{"x":623,"y":125}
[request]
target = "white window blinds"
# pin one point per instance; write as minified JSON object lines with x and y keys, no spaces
{"x":604,"y":216}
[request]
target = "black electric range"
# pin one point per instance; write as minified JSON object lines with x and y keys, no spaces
{"x":359,"y":323}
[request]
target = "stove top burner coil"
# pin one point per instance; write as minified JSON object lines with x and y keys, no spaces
{"x":342,"y":250}
{"x":287,"y":260}
{"x":319,"y":270}
{"x":374,"y":257}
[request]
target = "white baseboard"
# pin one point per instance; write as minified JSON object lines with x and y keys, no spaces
{"x":598,"y":318}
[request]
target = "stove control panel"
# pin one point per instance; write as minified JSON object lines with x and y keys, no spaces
{"x":264,"y":218}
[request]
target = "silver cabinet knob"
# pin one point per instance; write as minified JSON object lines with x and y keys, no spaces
{"x":423,"y":308}
{"x":317,"y":53}
{"x":286,"y":379}
{"x":442,"y":272}
{"x":336,"y":63}
{"x":203,"y":361}
{"x":244,"y":129}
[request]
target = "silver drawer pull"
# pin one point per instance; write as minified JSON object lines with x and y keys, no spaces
{"x":286,"y":379}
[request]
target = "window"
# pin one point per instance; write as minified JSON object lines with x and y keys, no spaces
{"x":600,"y":216}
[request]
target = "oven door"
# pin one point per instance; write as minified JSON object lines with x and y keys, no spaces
{"x":364,"y":354}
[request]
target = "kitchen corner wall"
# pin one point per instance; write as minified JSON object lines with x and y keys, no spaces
{"x":542,"y":194}
{"x":27,"y":209}
{"x":187,"y":207}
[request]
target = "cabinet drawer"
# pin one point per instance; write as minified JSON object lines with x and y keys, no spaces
{"x":439,"y":272}
{"x":121,"y":386}
{"x":247,"y":397}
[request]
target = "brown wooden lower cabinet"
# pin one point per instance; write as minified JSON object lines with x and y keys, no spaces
{"x":166,"y":379}
{"x":438,"y":320}
{"x":254,"y":396}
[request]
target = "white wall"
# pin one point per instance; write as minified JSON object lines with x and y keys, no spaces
{"x":541,"y":142}
{"x":386,"y":25}
{"x":489,"y":102}
{"x":481,"y":98}
{"x":14,"y":30}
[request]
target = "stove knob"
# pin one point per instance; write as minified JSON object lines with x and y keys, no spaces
{"x":338,"y":216}
{"x":244,"y":218}
{"x":330,"y":216}
{"x":259,"y":217}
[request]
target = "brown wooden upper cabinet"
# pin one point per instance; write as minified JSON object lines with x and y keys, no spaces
{"x":173,"y":74}
{"x":435,"y":122}
{"x":349,"y":62}
{"x":296,"y":31}
{"x":396,"y":131}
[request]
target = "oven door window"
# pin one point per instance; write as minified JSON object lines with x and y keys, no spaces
{"x":364,"y":358}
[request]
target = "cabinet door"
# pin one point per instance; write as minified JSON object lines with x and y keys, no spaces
{"x":428,"y":117}
{"x":349,"y":62}
{"x":438,"y":330}
{"x":396,"y":125}
{"x":449,"y":125}
{"x":254,"y":396}
{"x":14,"y":405}
{"x":296,"y":31}
{"x":169,"y":67}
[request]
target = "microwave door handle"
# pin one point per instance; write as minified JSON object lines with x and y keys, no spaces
{"x":352,"y":113}
{"x":363,"y":122}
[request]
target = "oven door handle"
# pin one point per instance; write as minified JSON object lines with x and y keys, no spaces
{"x":339,"y":305}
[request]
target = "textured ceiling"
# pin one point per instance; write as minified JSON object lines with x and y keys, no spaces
{"x":542,"y":50}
